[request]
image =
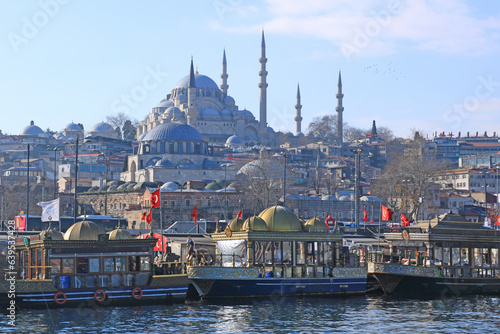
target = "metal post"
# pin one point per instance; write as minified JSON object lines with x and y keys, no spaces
{"x":284,"y":182}
{"x":28,"y":187}
{"x":76,"y":181}
{"x":55,"y":172}
{"x":225,"y":193}
{"x":357,"y":153}
{"x":106,"y":161}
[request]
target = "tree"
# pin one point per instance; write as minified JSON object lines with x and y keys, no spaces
{"x":324,"y":125}
{"x":129,"y":130}
{"x":385,"y":133}
{"x":351,"y":133}
{"x":121,"y":122}
{"x":407,"y":179}
{"x":49,"y":131}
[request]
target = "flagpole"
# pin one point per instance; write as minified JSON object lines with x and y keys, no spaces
{"x":161,"y":228}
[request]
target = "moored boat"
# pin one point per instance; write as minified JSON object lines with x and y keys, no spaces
{"x":278,"y":254}
{"x":86,"y":267}
{"x":446,"y":256}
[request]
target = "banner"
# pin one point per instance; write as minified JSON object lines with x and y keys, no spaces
{"x":50,"y":210}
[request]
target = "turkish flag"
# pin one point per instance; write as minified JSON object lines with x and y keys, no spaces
{"x":144,"y":214}
{"x":240,"y":213}
{"x":155,"y":199}
{"x":404,"y":221}
{"x":149,"y":217}
{"x":386,"y":213}
{"x":195,"y":214}
{"x":365,"y":215}
{"x":329,"y":218}
{"x":498,"y":220}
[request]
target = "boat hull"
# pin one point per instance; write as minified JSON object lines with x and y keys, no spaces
{"x":41,"y":293}
{"x":231,"y":283}
{"x":426,"y":281}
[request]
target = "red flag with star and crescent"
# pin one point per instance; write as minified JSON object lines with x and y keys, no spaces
{"x":144,"y":215}
{"x":195,"y":214}
{"x":149,"y":217}
{"x":240,"y":213}
{"x":365,"y":215}
{"x":329,"y":218}
{"x":386,"y":213}
{"x":155,"y":199}
{"x":404,"y":221}
{"x":498,"y":220}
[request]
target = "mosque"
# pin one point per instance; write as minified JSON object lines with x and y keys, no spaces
{"x":196,"y":100}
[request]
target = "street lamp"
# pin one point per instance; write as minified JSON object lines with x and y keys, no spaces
{"x":357,"y":153}
{"x":225,"y":190}
{"x":28,"y":187}
{"x":106,"y":163}
{"x":55,"y":171}
{"x":284,"y":176}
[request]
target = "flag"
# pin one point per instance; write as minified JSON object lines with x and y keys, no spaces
{"x":404,"y":221}
{"x":50,"y":210}
{"x":365,"y":215}
{"x":329,"y":218}
{"x":498,"y":220}
{"x":149,"y":217}
{"x":195,"y":214}
{"x":155,"y":199}
{"x":144,"y":214}
{"x":240,"y":213}
{"x":386,"y":213}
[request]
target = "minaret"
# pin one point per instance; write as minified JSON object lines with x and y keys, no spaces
{"x":374,"y":129}
{"x":192,"y":112}
{"x":224,"y":75}
{"x":298,"y":107}
{"x":263,"y":84}
{"x":339,"y":110}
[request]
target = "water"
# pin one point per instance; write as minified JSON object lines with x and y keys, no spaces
{"x":380,"y":314}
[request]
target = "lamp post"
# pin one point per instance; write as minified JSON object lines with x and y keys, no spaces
{"x":357,"y":153}
{"x":55,"y":172}
{"x":28,"y":186}
{"x":106,"y":163}
{"x":76,"y":180}
{"x":225,"y":191}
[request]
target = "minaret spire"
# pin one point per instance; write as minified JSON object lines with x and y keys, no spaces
{"x":224,"y":75}
{"x":298,"y":107}
{"x":192,"y":111}
{"x":263,"y":84}
{"x":340,"y":110}
{"x":192,"y":82}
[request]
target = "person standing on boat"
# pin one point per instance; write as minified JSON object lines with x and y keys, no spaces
{"x":190,"y":253}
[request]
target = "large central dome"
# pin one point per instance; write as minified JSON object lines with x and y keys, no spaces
{"x":201,"y":81}
{"x":173,"y":131}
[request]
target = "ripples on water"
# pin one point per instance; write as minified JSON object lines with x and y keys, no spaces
{"x":477,"y":314}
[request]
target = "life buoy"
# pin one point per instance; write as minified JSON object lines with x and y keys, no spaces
{"x":103,"y":295}
{"x":137,"y":297}
{"x":57,"y":300}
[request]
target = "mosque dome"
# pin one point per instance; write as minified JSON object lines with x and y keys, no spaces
{"x":165,"y":104}
{"x":328,"y":198}
{"x":316,"y":223}
{"x":209,"y":112}
{"x":229,"y":100}
{"x":236,"y":224}
{"x":281,"y":219}
{"x":170,"y":186}
{"x":201,"y":81}
{"x":32,"y":130}
{"x":102,"y":127}
{"x":84,"y":230}
{"x":164,"y":163}
{"x":226,"y":114}
{"x":344,"y":198}
{"x":173,"y":111}
{"x":300,"y":134}
{"x":60,"y":136}
{"x":213,"y":186}
{"x":119,"y":234}
{"x":234,"y":141}
{"x":72,"y":127}
{"x":51,"y":234}
{"x":141,"y":137}
{"x":173,"y":131}
{"x":256,"y":224}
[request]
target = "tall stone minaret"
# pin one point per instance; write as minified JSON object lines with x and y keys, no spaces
{"x":263,"y":84}
{"x":224,"y":75}
{"x":339,"y":110}
{"x":192,"y":110}
{"x":298,"y":107}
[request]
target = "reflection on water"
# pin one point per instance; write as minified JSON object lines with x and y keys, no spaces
{"x":381,"y":314}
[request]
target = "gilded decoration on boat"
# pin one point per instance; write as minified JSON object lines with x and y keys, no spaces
{"x":222,"y":272}
{"x":398,"y":269}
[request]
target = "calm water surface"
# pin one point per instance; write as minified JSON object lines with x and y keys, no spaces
{"x":380,"y":314}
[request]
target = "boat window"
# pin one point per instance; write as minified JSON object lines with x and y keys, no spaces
{"x":277,"y":252}
{"x":82,"y":266}
{"x":301,"y":252}
{"x":268,"y":252}
{"x":116,"y":280}
{"x":33,"y":264}
{"x":258,"y":251}
{"x":103,"y":280}
{"x":329,"y":253}
{"x":128,"y":279}
{"x":142,"y":279}
{"x":132,"y":263}
{"x":56,"y":266}
{"x":78,"y":281}
{"x":68,"y":266}
{"x":39,"y":263}
{"x":145,"y":263}
{"x":287,"y":252}
{"x":120,"y":264}
{"x":94,"y":265}
{"x":90,"y":281}
{"x":108,"y":264}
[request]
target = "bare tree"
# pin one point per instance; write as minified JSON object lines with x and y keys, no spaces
{"x":324,"y":125}
{"x":122,"y":124}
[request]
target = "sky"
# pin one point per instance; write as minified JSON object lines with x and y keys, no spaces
{"x":432,"y":66}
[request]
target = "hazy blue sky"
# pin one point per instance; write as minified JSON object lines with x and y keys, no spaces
{"x":431,"y":65}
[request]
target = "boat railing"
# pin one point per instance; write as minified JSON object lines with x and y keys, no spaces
{"x":170,"y":268}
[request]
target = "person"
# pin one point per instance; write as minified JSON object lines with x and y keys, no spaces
{"x":190,"y":245}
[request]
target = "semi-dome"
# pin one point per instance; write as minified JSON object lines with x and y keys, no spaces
{"x":201,"y":81}
{"x":141,"y":137}
{"x":173,"y":131}
{"x":255,"y":223}
{"x":173,"y":111}
{"x":51,"y":234}
{"x":32,"y":130}
{"x":102,"y":127}
{"x":84,"y":230}
{"x":226,"y":114}
{"x":164,"y":163}
{"x":165,"y":104}
{"x":281,"y":219}
{"x":229,"y":100}
{"x":236,"y":224}
{"x":119,"y":234}
{"x":316,"y":223}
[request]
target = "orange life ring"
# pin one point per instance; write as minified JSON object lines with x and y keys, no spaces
{"x":100,"y":299}
{"x":134,"y":295}
{"x":56,"y":299}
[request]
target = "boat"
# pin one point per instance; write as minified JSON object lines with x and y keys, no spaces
{"x":87,"y":267}
{"x":276,"y":253}
{"x":446,"y":256}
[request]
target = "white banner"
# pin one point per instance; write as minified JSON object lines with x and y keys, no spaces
{"x":50,"y":210}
